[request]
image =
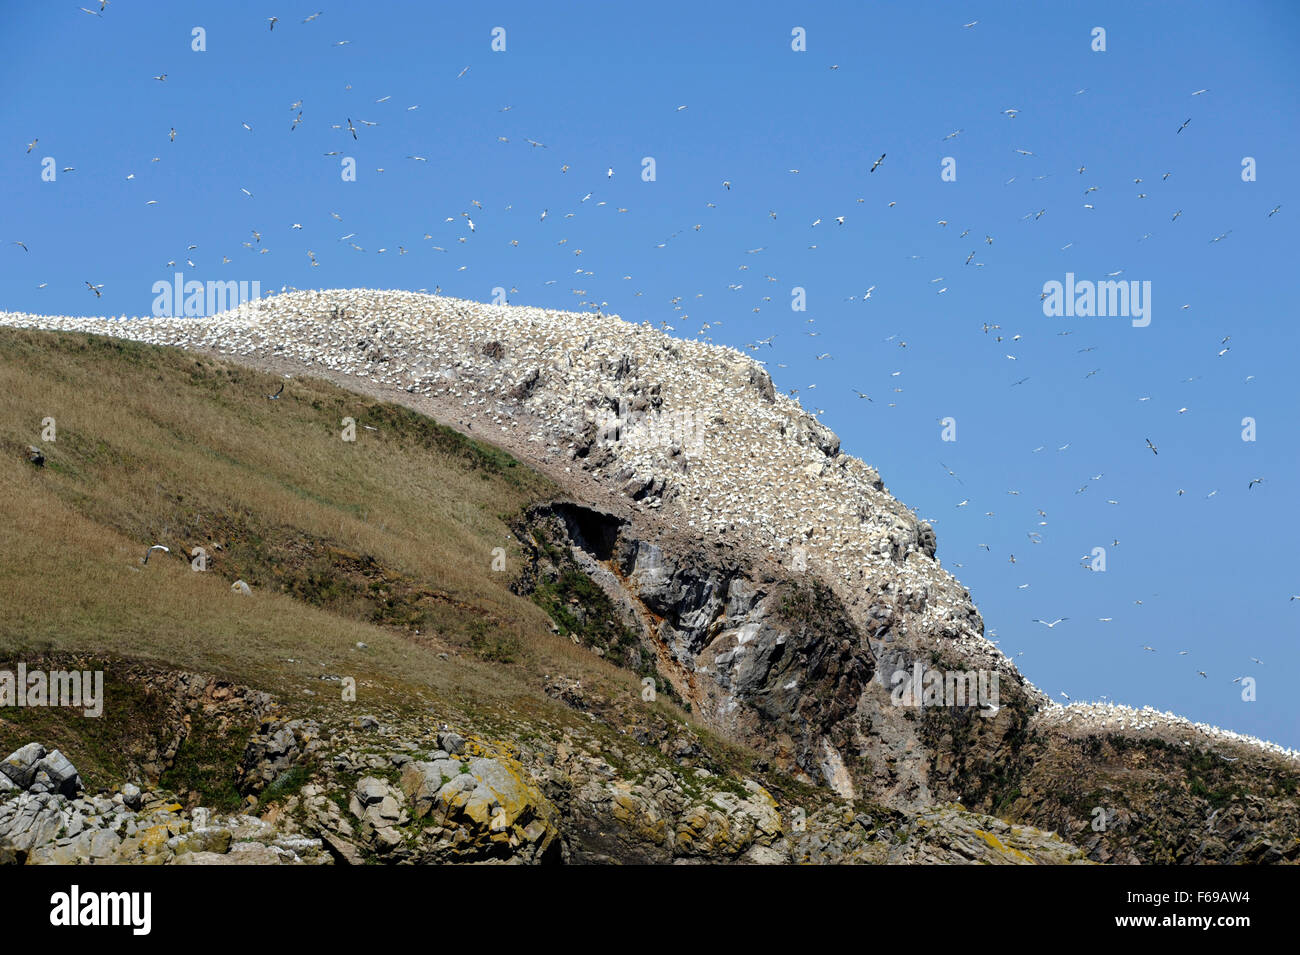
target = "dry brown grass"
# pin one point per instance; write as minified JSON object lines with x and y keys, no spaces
{"x":158,"y":446}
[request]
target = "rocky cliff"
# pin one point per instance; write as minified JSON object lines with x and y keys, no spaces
{"x":755,"y":571}
{"x":629,"y":787}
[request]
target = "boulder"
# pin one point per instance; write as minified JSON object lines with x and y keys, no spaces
{"x":452,"y":743}
{"x":370,"y":790}
{"x":20,"y":765}
{"x":420,"y":782}
{"x":31,"y":820}
{"x":131,"y":796}
{"x":59,"y":774}
{"x":210,"y":839}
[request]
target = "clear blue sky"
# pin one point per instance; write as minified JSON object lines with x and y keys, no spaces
{"x":600,"y":84}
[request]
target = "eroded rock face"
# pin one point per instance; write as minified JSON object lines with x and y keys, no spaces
{"x":577,"y":799}
{"x":758,"y":656}
{"x":276,"y":747}
{"x":630,"y":783}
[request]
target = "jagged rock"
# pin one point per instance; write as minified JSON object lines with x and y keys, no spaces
{"x":209,"y":839}
{"x":87,"y":848}
{"x":131,"y":796}
{"x":31,"y":819}
{"x":20,"y":765}
{"x":57,"y":774}
{"x":926,"y":539}
{"x":274,"y":749}
{"x":452,"y":743}
{"x":370,"y":790}
{"x":491,"y":807}
{"x":421,"y":782}
{"x":244,"y":853}
{"x":341,"y":849}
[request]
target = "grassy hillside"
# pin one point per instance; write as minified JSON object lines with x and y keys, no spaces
{"x":386,"y":541}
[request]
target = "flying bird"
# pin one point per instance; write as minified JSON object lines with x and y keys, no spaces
{"x":164,"y":549}
{"x":1051,"y":625}
{"x":878,"y":162}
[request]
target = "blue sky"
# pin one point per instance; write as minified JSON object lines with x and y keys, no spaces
{"x":600,"y":86}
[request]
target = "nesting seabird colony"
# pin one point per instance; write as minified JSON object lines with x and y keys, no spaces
{"x":690,"y":430}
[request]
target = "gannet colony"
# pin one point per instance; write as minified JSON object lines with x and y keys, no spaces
{"x":693,"y":432}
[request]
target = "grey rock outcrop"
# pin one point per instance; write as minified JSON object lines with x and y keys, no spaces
{"x":56,"y":774}
{"x":20,"y":765}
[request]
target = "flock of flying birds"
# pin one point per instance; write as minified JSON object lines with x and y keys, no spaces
{"x":355,"y":130}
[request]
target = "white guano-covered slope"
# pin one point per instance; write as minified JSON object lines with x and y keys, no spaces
{"x":693,"y":431}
